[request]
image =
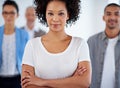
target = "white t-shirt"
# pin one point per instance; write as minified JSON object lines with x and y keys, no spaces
{"x":8,"y":67}
{"x":108,"y":80}
{"x":52,"y":66}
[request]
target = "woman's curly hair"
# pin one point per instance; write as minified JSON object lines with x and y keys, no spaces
{"x":73,"y":8}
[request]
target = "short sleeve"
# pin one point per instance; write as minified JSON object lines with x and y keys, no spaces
{"x":28,"y":54}
{"x":83,"y":52}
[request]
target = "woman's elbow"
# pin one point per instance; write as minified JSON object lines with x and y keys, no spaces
{"x":87,"y":84}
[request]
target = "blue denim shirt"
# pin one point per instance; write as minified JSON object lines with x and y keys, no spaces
{"x":97,"y":46}
{"x":21,"y":40}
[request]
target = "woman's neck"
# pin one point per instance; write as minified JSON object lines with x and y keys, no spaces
{"x":9,"y":29}
{"x":56,"y":36}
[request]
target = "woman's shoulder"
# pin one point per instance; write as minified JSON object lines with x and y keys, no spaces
{"x":79,"y":42}
{"x":78,"y":39}
{"x":34,"y":41}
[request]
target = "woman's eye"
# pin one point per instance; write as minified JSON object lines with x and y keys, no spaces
{"x":61,"y":14}
{"x":50,"y":14}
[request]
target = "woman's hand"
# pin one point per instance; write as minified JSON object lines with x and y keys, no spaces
{"x":31,"y":79}
{"x":80,"y":71}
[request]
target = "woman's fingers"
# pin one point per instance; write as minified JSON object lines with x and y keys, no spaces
{"x":81,"y":70}
{"x":25,"y":81}
{"x":25,"y":85}
{"x":28,"y":72}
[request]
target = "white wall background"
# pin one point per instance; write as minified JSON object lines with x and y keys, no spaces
{"x":90,"y":21}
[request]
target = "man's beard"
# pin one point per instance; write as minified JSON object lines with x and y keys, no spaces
{"x":110,"y":26}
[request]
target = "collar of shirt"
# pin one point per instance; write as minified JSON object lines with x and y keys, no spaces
{"x":103,"y":36}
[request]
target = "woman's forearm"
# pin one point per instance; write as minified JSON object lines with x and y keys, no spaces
{"x":33,"y":86}
{"x":76,"y":81}
{"x":72,"y":82}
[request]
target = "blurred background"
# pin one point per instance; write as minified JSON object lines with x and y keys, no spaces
{"x":89,"y":23}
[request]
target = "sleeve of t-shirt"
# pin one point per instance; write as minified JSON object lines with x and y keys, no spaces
{"x":84,"y":52}
{"x":28,"y":54}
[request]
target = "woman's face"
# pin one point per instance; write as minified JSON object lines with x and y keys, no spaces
{"x":9,"y":14}
{"x":56,"y":15}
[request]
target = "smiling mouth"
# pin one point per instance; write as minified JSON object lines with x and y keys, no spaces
{"x":55,"y":24}
{"x":112,"y":22}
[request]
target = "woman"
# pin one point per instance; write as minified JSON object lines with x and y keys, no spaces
{"x":12,"y":44}
{"x":56,"y":60}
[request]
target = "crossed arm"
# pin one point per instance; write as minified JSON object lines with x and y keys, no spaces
{"x":80,"y":79}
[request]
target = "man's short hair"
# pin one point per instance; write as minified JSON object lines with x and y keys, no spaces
{"x":112,"y":4}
